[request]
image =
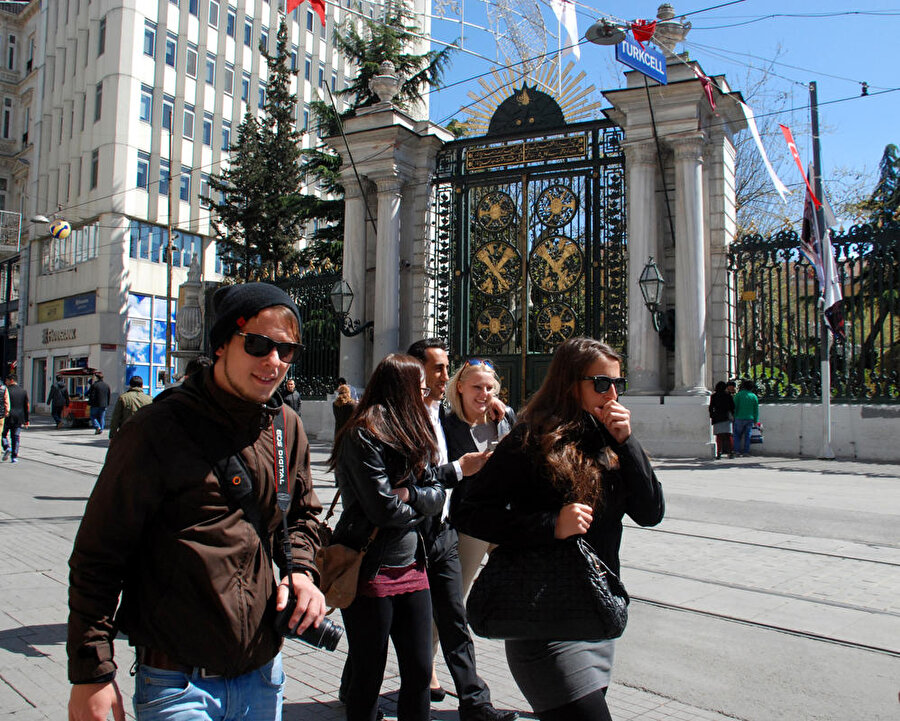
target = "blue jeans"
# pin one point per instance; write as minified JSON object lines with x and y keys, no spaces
{"x":742,"y":428}
{"x":13,"y":432}
{"x":98,"y":418}
{"x":175,"y":696}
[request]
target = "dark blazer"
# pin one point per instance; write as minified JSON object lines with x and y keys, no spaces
{"x":721,"y":407}
{"x":459,"y":442}
{"x":512,"y":502}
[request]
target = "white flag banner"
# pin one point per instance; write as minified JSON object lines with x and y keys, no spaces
{"x":751,"y":123}
{"x":565,"y":16}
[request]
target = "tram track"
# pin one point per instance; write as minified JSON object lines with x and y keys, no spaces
{"x":831,"y":640}
{"x":773,"y":547}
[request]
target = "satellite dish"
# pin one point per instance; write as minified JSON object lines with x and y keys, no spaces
{"x":604,"y":32}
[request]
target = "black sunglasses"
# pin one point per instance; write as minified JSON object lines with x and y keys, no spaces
{"x":603,"y":383}
{"x":259,"y":346}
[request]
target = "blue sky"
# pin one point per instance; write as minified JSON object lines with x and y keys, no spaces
{"x":839,"y":52}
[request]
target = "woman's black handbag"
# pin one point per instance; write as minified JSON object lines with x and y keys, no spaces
{"x":558,"y":592}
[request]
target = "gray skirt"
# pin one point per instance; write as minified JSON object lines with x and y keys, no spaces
{"x":722,"y":427}
{"x":553,"y":673}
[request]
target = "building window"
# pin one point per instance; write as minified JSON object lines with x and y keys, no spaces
{"x":230,"y":22}
{"x":168,"y":110}
{"x":194,"y":7}
{"x":264,"y":40}
{"x":214,"y":14}
{"x":294,"y":58}
{"x":189,"y":122}
{"x":143,"y":170}
{"x":98,"y":101}
{"x":309,"y":20}
{"x":204,"y":186}
{"x":207,"y":129}
{"x":163,"y":176}
{"x":262,"y":96}
{"x":95,"y":167}
{"x":171,"y":49}
{"x":226,"y":135}
{"x":184,"y":184}
{"x":146,"y":103}
{"x":149,"y":38}
{"x":229,"y":79}
{"x":191,"y":60}
{"x":7,"y":117}
{"x":322,"y":30}
{"x":101,"y":38}
{"x":11,"y":53}
{"x":79,"y":247}
{"x":245,"y":87}
{"x":307,"y":71}
{"x":210,"y":68}
{"x":333,"y":81}
{"x":248,"y":32}
{"x":322,"y":76}
{"x":305,"y":120}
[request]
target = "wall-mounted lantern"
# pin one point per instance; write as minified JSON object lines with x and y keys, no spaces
{"x":652,"y":284}
{"x":342,"y":299}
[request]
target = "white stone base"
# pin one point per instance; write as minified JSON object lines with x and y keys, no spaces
{"x":672,"y":426}
{"x":678,"y":427}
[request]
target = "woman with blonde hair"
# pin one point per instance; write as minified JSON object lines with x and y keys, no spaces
{"x":570,"y":467}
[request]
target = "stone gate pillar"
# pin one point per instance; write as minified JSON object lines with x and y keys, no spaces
{"x":387,"y":266}
{"x":353,"y":350}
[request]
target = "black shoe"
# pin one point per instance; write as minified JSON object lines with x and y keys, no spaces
{"x":98,"y":431}
{"x":438,"y":694}
{"x":486,"y":713}
{"x":379,"y":714}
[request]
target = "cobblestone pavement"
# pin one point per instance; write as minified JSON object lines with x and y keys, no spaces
{"x":42,"y":497}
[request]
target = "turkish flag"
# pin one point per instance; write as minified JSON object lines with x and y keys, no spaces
{"x":643,"y":31}
{"x":317,"y":5}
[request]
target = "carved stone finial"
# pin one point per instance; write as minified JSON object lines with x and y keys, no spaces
{"x":386,"y":84}
{"x":669,"y":31}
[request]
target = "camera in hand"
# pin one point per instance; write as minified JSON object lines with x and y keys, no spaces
{"x":325,"y":636}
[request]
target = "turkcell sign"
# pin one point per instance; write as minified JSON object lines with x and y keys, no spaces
{"x":647,"y":60}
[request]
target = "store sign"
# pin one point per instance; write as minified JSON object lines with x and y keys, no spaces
{"x":647,"y":60}
{"x":57,"y":336}
{"x":71,"y":307}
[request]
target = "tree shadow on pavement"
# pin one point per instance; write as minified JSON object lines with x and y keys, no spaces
{"x":23,"y":640}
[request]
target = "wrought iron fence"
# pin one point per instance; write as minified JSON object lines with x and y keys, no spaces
{"x":316,"y":370}
{"x":774,"y":334}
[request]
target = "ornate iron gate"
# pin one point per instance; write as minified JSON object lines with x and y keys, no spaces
{"x":531,"y":247}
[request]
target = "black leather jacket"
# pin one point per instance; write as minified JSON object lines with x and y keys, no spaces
{"x":366,"y":471}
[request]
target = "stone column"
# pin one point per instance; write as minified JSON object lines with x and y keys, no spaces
{"x":387,"y":269}
{"x":353,"y":350}
{"x":690,"y":269}
{"x":644,"y":348}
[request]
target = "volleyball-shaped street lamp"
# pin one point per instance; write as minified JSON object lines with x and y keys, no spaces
{"x":60,"y":229}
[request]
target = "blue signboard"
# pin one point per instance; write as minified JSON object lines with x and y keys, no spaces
{"x":76,"y":305}
{"x":647,"y":60}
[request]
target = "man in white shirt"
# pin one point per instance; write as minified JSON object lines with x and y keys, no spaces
{"x":442,"y":543}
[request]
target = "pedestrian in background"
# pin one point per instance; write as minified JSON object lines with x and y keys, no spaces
{"x":746,"y":413}
{"x":383,"y":462}
{"x":570,"y":467}
{"x":342,"y":407}
{"x":16,"y":419}
{"x":291,"y":396}
{"x":58,"y":398}
{"x":167,"y":555}
{"x":128,"y":404}
{"x":721,"y":415}
{"x":4,"y":406}
{"x":98,"y":400}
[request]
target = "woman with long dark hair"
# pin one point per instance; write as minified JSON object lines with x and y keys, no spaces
{"x":382,"y":460}
{"x":570,"y":468}
{"x":721,"y":415}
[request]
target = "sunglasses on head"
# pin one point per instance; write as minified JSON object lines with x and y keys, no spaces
{"x":479,"y":362}
{"x":603,"y":383}
{"x":259,"y":346}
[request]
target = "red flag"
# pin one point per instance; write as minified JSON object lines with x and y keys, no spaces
{"x":707,"y":85}
{"x":317,"y":5}
{"x":643,"y":31}
{"x":789,"y":136}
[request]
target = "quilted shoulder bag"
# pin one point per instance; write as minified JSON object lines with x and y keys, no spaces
{"x":557,"y":592}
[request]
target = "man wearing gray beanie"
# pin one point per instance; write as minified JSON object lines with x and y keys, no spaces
{"x":183,"y":523}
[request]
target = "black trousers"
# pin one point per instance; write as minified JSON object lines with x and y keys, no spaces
{"x":370,"y":622}
{"x":588,"y":708}
{"x":445,"y":580}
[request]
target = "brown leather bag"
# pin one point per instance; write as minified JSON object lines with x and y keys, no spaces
{"x":339,"y":571}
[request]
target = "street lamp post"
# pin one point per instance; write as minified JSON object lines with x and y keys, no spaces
{"x":341,"y":299}
{"x":651,"y":284}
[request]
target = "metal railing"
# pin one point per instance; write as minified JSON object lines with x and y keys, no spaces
{"x":774,"y":334}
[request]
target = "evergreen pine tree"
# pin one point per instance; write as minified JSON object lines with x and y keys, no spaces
{"x":884,"y":204}
{"x":378,"y":40}
{"x":257,"y":223}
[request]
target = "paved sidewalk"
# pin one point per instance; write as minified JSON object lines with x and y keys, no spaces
{"x":43,"y":496}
